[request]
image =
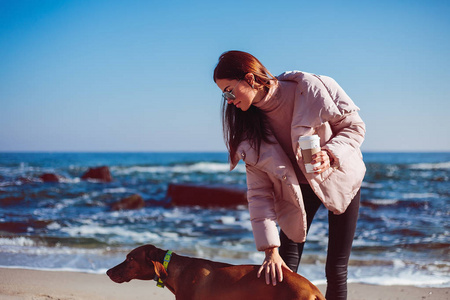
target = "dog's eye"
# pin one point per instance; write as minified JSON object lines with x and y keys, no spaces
{"x":129,"y":258}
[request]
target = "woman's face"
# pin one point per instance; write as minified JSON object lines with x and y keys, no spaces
{"x":241,"y":90}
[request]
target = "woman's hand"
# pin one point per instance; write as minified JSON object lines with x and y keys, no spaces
{"x":323,"y":157}
{"x":272,"y":266}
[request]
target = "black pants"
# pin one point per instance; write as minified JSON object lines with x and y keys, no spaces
{"x":340,"y":238}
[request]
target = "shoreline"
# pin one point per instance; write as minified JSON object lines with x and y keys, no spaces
{"x":18,"y":284}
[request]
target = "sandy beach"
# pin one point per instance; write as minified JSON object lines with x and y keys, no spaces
{"x":40,"y":285}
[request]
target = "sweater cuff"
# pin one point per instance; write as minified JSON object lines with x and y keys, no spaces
{"x":333,"y":160}
{"x":266,"y":234}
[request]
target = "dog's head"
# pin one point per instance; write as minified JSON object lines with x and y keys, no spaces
{"x":142,"y":263}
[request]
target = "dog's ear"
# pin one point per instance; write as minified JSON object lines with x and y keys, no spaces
{"x":160,"y":270}
{"x":150,"y":253}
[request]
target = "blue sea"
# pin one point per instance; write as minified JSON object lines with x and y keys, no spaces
{"x":403,"y":234}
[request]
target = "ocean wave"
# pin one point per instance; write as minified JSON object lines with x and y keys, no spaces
{"x":7,"y":183}
{"x":21,"y":170}
{"x":61,"y":269}
{"x":370,"y":185}
{"x":419,"y":195}
{"x":54,"y":226}
{"x":119,"y":190}
{"x":394,"y":272}
{"x":396,"y":276}
{"x":382,"y":202}
{"x":70,"y":180}
{"x":113,"y":234}
{"x":201,"y":167}
{"x":20,"y":181}
{"x":44,"y":250}
{"x":431,"y":166}
{"x":17,"y":241}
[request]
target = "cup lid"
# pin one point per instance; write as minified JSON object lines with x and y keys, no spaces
{"x":309,"y":137}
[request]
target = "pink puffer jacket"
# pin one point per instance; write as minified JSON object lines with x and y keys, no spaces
{"x":322,"y":107}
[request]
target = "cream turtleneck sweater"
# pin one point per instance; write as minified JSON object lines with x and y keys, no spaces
{"x":278,"y":106}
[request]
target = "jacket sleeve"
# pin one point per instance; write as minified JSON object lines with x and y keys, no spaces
{"x":261,"y":207}
{"x":349,"y":131}
{"x":347,"y":126}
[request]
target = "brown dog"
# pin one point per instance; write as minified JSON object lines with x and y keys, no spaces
{"x":193,"y":278}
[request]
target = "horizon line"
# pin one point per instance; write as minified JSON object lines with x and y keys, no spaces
{"x":195,"y":151}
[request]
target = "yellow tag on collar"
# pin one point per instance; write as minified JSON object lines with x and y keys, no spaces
{"x":165,"y":264}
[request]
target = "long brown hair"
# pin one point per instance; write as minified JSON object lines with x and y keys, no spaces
{"x":241,"y":125}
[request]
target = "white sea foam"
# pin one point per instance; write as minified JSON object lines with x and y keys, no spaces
{"x":370,"y":185}
{"x":401,"y":279}
{"x":227,"y":220}
{"x":383,"y":201}
{"x":23,"y":170}
{"x":115,"y":190}
{"x":17,"y":241}
{"x":115,"y":233}
{"x":431,"y":166}
{"x":74,"y":270}
{"x":201,"y":167}
{"x":70,"y":180}
{"x":419,"y":195}
{"x":170,"y":235}
{"x":28,"y":255}
{"x":53,"y":226}
{"x":36,"y":250}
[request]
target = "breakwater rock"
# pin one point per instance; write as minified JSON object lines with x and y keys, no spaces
{"x":205,"y":196}
{"x":132,"y":202}
{"x":100,"y":174}
{"x":50,"y":177}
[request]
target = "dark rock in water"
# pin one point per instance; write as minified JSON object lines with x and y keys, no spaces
{"x":206,"y":196}
{"x":100,"y":174}
{"x":11,"y":200}
{"x":50,"y":177}
{"x":132,"y":202}
{"x":22,"y":227}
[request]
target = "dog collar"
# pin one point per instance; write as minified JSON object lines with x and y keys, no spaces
{"x":166,"y":265}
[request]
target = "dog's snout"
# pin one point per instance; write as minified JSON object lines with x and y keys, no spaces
{"x":114,"y":275}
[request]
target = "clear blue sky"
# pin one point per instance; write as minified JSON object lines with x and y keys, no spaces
{"x":137,"y":75}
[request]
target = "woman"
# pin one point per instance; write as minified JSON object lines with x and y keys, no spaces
{"x":263,"y":118}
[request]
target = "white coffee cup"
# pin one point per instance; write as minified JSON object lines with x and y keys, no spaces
{"x":309,"y":145}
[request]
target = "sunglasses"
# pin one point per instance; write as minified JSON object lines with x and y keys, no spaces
{"x":229,"y":95}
